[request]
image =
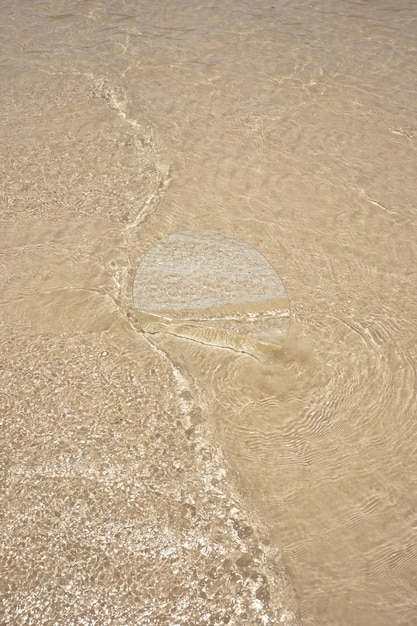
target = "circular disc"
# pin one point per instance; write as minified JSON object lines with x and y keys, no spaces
{"x":213,"y":279}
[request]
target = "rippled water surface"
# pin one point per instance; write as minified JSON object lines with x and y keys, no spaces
{"x":152,"y":479}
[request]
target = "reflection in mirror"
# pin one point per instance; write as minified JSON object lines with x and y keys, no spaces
{"x":212,"y":288}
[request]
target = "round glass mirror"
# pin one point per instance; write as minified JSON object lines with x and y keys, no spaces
{"x":210,"y":287}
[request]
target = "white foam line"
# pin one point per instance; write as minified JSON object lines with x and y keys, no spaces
{"x":381,"y":206}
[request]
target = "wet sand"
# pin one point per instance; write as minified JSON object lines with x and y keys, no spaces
{"x":151,"y":479}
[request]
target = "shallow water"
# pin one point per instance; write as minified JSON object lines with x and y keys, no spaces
{"x":151,"y":479}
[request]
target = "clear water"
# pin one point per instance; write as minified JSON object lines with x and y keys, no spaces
{"x":161,"y":481}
